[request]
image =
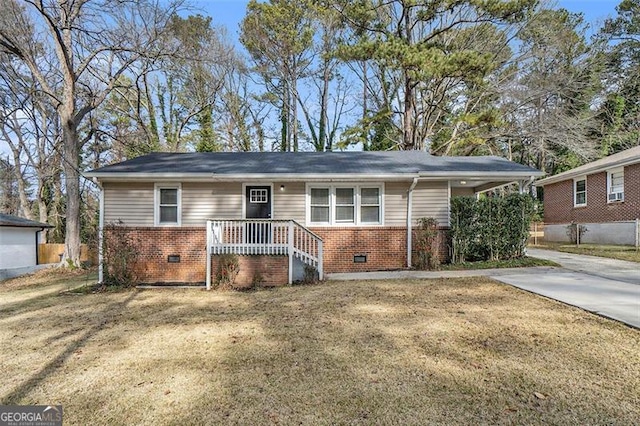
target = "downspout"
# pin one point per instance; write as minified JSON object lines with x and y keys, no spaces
{"x":409,"y":220}
{"x":100,"y":232}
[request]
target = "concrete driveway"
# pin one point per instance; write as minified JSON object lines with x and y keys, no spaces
{"x":608,"y":287}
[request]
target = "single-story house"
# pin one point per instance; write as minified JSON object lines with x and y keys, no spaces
{"x":19,"y":240}
{"x":333,"y":211}
{"x":602,"y":197}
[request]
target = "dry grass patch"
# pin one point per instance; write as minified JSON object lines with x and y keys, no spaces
{"x":468,"y":351}
{"x":628,"y":253}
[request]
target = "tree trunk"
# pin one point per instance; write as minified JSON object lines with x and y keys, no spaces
{"x":408,"y":129}
{"x":72,"y":186}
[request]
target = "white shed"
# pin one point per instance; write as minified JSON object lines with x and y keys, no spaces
{"x":19,"y":239}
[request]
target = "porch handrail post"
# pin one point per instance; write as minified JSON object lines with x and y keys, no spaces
{"x":290,"y":251}
{"x":320,"y":261}
{"x":209,"y":242}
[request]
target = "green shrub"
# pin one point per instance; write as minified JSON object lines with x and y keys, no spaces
{"x":491,"y":228}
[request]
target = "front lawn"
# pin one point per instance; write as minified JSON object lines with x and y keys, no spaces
{"x":613,"y":252}
{"x":463,"y":351}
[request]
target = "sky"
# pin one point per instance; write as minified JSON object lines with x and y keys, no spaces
{"x":230,"y":12}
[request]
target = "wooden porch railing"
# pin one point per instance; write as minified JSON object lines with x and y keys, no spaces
{"x":264,"y":237}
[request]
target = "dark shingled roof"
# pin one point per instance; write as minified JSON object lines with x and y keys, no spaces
{"x":393,"y":162}
{"x":15,"y":221}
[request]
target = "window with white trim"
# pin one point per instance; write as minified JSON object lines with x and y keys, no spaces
{"x":370,"y":205}
{"x":344,"y":205}
{"x":167,"y":205}
{"x":320,"y":205}
{"x":615,"y":185}
{"x":580,"y":192}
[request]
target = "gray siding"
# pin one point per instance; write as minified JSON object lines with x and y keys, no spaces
{"x":202,"y":201}
{"x":290,"y":202}
{"x":130,"y":202}
{"x":395,"y":203}
{"x":431,"y":199}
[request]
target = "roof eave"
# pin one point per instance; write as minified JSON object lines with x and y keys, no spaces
{"x":106,"y":176}
{"x":571,"y":174}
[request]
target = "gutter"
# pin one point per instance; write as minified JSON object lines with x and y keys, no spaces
{"x":410,"y":220}
{"x":304,"y":177}
{"x":100,"y":232}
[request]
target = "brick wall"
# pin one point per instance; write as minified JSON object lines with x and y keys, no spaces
{"x":385,"y":248}
{"x":273,"y":270}
{"x":154,"y":245}
{"x":558,"y":200}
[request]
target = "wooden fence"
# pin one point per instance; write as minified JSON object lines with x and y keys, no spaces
{"x":52,"y":253}
{"x":536,"y":233}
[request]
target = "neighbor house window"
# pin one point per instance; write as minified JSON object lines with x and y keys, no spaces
{"x":580,"y":192}
{"x":344,"y":205}
{"x":615,"y":185}
{"x":167,"y":205}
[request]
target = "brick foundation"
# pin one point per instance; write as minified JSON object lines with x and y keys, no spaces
{"x":558,"y":200}
{"x":384,"y":247}
{"x":262,"y":270}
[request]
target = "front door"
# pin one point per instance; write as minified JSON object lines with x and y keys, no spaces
{"x":258,"y":206}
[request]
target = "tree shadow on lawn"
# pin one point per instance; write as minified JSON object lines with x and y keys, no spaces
{"x":351,"y":361}
{"x":408,"y":352}
{"x":50,"y":367}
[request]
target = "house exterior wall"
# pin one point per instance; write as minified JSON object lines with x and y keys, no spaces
{"x":17,"y":247}
{"x":431,"y":199}
{"x":270,"y":271}
{"x":559,"y":204}
{"x":384,"y":247}
{"x":289,"y":203}
{"x":133,"y":202}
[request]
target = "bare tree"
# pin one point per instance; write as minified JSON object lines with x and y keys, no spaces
{"x":76,"y":58}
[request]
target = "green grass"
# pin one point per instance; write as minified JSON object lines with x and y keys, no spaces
{"x":446,"y":351}
{"x":513,"y":263}
{"x":628,"y":253}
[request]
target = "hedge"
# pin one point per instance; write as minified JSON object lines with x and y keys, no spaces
{"x":490,"y":228}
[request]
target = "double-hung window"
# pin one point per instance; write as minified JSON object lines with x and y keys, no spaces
{"x":615,"y":185}
{"x":320,"y":205}
{"x":580,"y":192}
{"x":167,"y":205}
{"x":370,"y":202}
{"x":344,"y":205}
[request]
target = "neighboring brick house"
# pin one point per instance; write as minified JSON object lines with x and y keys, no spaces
{"x":603,"y":197}
{"x":335,"y":211}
